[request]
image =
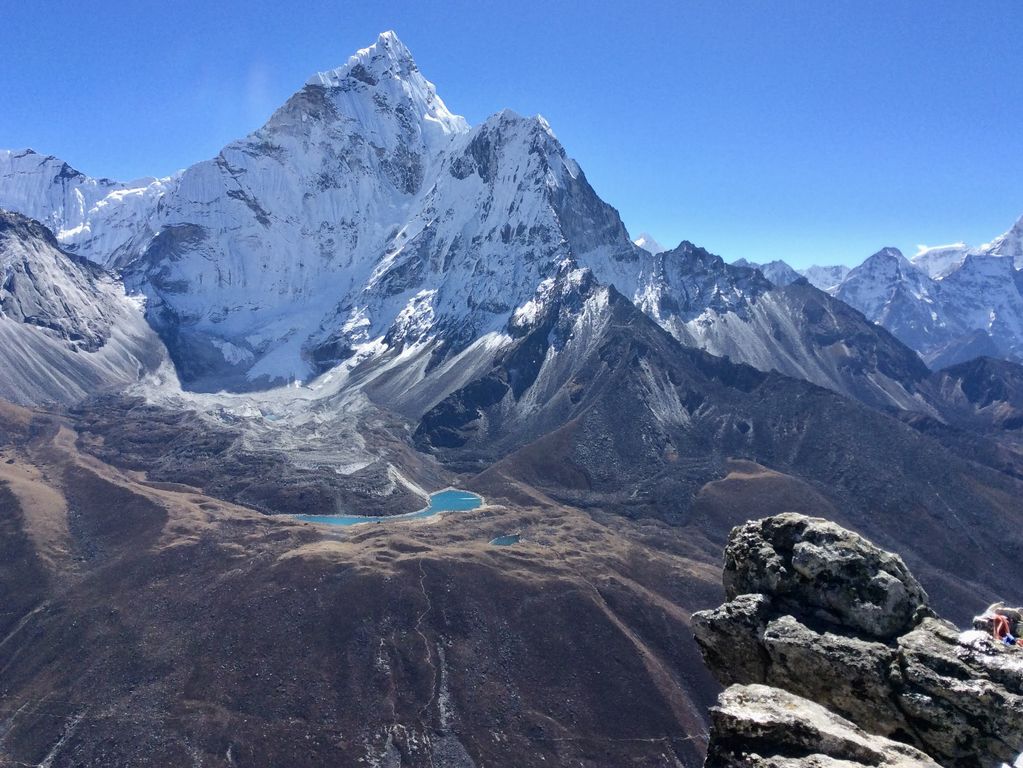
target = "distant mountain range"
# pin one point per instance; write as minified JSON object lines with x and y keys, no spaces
{"x":950,"y":303}
{"x":365,"y":219}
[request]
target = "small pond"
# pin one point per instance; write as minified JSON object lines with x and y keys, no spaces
{"x":505,"y":541}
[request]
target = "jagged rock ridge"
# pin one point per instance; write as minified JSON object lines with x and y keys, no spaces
{"x":67,"y":329}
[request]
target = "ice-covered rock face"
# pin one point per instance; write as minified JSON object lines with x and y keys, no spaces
{"x":387,"y":67}
{"x":884,"y":276}
{"x":100,"y":219}
{"x":1009,"y":245}
{"x":263,"y":247}
{"x":500,"y":218}
{"x":889,"y":290}
{"x":825,"y":278}
{"x":984,"y":293}
{"x":685,"y":283}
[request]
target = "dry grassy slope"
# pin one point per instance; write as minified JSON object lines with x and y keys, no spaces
{"x":148,"y":624}
{"x":958,"y":529}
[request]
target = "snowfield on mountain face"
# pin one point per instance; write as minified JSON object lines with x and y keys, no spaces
{"x":825,"y":278}
{"x":984,"y":295}
{"x":937,"y":261}
{"x":105,"y":221}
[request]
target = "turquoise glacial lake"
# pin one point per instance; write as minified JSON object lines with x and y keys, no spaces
{"x":448,"y":500}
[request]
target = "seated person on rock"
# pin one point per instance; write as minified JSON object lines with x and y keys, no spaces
{"x":1002,"y":622}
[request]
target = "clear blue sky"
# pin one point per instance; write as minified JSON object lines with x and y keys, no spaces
{"x":810,"y":130}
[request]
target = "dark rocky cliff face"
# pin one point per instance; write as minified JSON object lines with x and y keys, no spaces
{"x":832,"y":654}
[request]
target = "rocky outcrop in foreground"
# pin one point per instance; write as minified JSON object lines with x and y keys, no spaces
{"x":834,"y":658}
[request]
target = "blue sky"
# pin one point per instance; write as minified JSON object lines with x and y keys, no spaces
{"x":805,"y":130}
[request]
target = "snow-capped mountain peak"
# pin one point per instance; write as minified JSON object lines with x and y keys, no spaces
{"x":389,"y":71}
{"x":938,"y":260}
{"x":888,"y":283}
{"x":1009,"y":245}
{"x":386,"y":56}
{"x":647,"y":242}
{"x":363,"y":210}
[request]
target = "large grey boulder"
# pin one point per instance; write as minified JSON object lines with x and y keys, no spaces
{"x":770,"y":728}
{"x":962,"y":700}
{"x":817,"y":568}
{"x":849,"y":674}
{"x":730,"y":639}
{"x":818,"y":612}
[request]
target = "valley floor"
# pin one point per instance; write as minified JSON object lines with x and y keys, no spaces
{"x":146,"y":623}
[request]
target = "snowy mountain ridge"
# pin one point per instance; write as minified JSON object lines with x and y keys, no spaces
{"x":105,"y":221}
{"x":940,"y":261}
{"x":950,"y":303}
